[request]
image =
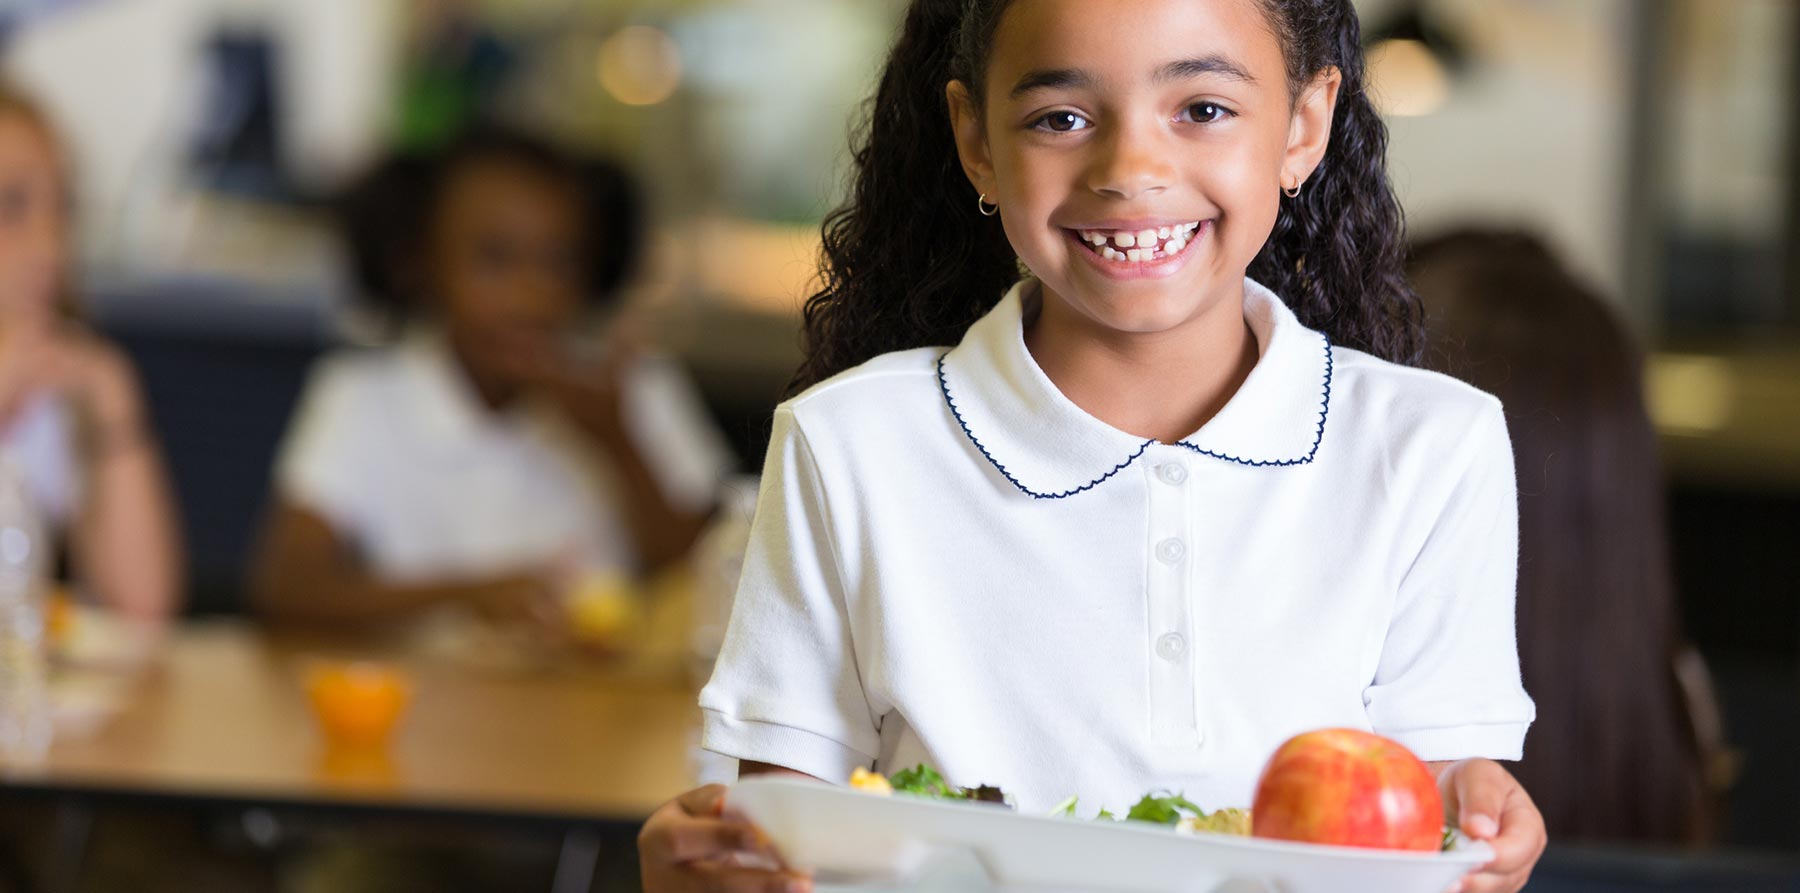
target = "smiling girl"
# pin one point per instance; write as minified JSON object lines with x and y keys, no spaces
{"x":1131,"y":519}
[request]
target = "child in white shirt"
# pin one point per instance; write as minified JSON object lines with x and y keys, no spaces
{"x":493,"y":452}
{"x":1129,"y":524}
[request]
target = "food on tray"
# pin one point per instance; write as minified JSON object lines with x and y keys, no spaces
{"x":1159,"y":808}
{"x":923,"y":781}
{"x":1174,"y":809}
{"x":870,"y":782}
{"x":1349,"y":788}
{"x":1336,"y":786}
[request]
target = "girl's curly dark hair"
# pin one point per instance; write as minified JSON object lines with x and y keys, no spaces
{"x":908,"y":263}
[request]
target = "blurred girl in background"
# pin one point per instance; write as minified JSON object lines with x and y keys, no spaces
{"x":72,"y":417}
{"x":1627,"y":731}
{"x":494,"y":454}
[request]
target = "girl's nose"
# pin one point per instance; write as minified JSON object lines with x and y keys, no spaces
{"x":1131,"y":163}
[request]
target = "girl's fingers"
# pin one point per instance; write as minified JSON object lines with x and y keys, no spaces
{"x":699,"y":839}
{"x":1494,"y":882}
{"x":1481,"y":789}
{"x":703,"y":801}
{"x":1522,"y":836}
{"x":731,"y":879}
{"x":1517,"y":846}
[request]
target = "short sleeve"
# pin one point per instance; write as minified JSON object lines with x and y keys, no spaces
{"x":323,"y":464}
{"x":786,"y":689}
{"x":672,"y":428}
{"x":1447,"y":685}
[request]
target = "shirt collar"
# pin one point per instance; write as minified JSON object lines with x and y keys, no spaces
{"x":440,"y":393}
{"x":1049,"y":448}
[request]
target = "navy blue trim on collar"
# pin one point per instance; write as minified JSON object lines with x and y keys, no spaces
{"x":944,"y":385}
{"x":1318,"y":438}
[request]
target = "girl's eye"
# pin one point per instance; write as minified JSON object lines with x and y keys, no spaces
{"x":1204,"y":113}
{"x":1062,"y":122}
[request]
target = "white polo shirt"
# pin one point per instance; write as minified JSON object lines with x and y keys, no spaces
{"x":396,"y":451}
{"x":953,"y":564}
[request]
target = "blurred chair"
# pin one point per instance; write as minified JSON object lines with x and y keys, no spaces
{"x":1628,"y":744}
{"x":222,"y":364}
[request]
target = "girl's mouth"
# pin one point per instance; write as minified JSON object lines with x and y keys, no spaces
{"x":1144,"y":246}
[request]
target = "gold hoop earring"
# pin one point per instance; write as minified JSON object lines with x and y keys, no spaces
{"x":982,"y":205}
{"x":1293,"y":192}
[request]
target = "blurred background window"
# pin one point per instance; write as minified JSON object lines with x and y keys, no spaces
{"x":1721,"y":82}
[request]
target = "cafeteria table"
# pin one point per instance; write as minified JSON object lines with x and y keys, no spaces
{"x":221,"y":718}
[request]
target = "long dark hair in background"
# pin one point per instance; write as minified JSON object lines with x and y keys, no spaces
{"x":909,"y":263}
{"x":1615,"y":753}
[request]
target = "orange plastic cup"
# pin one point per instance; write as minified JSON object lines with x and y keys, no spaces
{"x":358,"y":703}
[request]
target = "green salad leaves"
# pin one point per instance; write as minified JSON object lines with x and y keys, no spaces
{"x":924,"y":781}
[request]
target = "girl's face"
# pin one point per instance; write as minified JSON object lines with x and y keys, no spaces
{"x":1138,"y":150}
{"x":504,"y":265}
{"x":33,"y":222}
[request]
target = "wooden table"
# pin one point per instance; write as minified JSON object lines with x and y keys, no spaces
{"x":222,"y":718}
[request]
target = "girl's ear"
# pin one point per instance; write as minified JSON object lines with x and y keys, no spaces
{"x":1309,"y":133}
{"x":971,"y":138}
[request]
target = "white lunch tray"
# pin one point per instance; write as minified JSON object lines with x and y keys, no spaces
{"x":854,"y":840}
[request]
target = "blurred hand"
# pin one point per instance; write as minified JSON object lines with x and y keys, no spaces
{"x":32,"y":362}
{"x":1488,"y":804}
{"x":37,"y":360}
{"x":528,"y":601}
{"x":583,"y":380}
{"x":691,"y":844}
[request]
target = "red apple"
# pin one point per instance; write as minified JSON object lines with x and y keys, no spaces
{"x":1349,"y":788}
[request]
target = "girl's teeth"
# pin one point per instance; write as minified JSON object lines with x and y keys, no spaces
{"x":1138,"y":247}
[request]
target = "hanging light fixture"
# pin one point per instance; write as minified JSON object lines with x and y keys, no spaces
{"x":1412,"y":62}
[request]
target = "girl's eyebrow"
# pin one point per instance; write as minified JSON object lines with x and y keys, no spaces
{"x":1213,"y":63}
{"x":1179,"y":70}
{"x":1051,"y":79}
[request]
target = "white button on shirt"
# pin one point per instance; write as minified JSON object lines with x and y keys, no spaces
{"x":953,"y":564}
{"x":394,"y":449}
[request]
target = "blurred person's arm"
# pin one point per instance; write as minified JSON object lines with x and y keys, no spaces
{"x":664,"y":525}
{"x":662,"y":531}
{"x":310,"y":567}
{"x":305,"y":573}
{"x":125,"y":543}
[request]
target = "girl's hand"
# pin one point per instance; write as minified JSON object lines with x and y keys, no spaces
{"x":32,"y":361}
{"x":1487,"y":803}
{"x":690,"y":844}
{"x":584,"y":379}
{"x":83,"y":369}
